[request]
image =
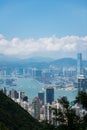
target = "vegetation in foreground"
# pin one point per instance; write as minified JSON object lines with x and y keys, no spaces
{"x":13,"y":117}
{"x":67,"y":117}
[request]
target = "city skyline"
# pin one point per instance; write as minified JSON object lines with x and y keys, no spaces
{"x":50,"y":28}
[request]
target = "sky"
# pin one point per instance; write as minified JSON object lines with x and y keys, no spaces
{"x":48,"y":28}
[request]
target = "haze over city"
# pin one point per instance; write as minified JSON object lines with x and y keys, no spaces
{"x":43,"y":64}
{"x":53,"y":28}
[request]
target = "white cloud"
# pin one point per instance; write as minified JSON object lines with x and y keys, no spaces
{"x":1,"y":36}
{"x":49,"y":46}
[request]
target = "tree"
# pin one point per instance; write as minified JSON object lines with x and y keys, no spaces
{"x":58,"y":117}
{"x":66,"y":115}
{"x":82,"y":99}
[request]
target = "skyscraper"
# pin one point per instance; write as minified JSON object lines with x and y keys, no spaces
{"x":49,"y":95}
{"x":36,"y":107}
{"x":82,"y":83}
{"x":41,"y":97}
{"x":79,"y":65}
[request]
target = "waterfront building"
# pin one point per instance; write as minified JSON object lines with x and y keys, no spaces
{"x":38,"y":75}
{"x":48,"y":115}
{"x":49,"y":112}
{"x":20,"y":71}
{"x":36,"y":107}
{"x":21,"y":95}
{"x":13,"y":94}
{"x":69,"y":71}
{"x":49,"y":94}
{"x":33,"y":73}
{"x":4,"y":90}
{"x":41,"y":97}
{"x":46,"y":76}
{"x":82,"y":83}
{"x":79,"y":65}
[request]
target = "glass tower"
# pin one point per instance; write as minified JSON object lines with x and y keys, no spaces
{"x":41,"y":97}
{"x":49,"y":95}
{"x":79,"y":64}
{"x":82,"y":83}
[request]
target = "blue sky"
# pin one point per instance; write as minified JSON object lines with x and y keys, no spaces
{"x":43,"y":27}
{"x":42,"y":18}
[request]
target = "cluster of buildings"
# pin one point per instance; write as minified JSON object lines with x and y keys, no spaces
{"x":40,"y":106}
{"x":43,"y":74}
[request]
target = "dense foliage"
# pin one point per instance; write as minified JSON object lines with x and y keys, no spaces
{"x":82,"y":98}
{"x":13,"y":117}
{"x":67,"y":117}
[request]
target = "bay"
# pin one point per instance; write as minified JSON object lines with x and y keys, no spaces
{"x":31,"y":88}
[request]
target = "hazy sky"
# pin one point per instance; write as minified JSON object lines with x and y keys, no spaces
{"x":53,"y":28}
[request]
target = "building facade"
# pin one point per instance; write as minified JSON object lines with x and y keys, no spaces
{"x":36,"y":107}
{"x":82,"y":83}
{"x":13,"y":94}
{"x":49,"y":95}
{"x":41,"y":97}
{"x":79,"y":65}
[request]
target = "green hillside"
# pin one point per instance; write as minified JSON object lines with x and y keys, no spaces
{"x":13,"y":117}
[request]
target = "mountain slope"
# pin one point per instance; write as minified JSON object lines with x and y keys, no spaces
{"x":37,"y":62}
{"x":63,"y":62}
{"x":13,"y":117}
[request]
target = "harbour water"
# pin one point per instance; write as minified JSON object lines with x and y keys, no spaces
{"x":31,"y":88}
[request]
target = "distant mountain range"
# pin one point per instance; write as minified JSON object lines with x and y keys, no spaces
{"x":31,"y":59}
{"x":64,"y":62}
{"x":38,"y":62}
